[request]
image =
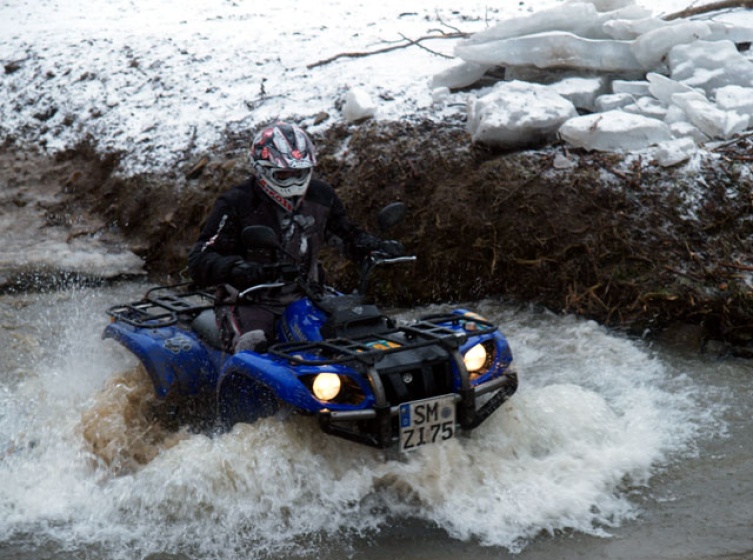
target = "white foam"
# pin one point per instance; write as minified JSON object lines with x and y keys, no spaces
{"x":594,"y":417}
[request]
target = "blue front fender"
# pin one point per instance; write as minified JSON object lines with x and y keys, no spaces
{"x":273,"y":373}
{"x":176,"y":360}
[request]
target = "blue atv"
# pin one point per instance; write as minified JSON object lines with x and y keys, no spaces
{"x":367,"y":377}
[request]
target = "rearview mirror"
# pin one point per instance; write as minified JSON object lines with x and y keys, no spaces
{"x":391,"y":215}
{"x":259,"y":237}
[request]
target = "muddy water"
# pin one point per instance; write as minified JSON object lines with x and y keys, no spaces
{"x":610,"y":449}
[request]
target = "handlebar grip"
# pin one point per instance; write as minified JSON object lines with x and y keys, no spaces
{"x":265,"y":286}
{"x":395,"y":260}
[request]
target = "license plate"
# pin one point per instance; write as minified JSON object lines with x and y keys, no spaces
{"x":426,"y":421}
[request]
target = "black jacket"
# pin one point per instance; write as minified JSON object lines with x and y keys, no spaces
{"x":318,"y":220}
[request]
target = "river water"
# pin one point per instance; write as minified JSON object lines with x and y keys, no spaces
{"x":611,"y":449}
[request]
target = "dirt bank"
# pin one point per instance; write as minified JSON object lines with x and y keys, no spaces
{"x":612,"y":238}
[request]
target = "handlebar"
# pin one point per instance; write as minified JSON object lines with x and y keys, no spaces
{"x":374,"y":259}
{"x":392,"y":260}
{"x":266,"y":286}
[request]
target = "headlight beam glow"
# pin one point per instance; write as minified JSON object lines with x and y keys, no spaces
{"x":326,"y":386}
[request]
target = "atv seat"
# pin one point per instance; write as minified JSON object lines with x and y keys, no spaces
{"x":205,"y":326}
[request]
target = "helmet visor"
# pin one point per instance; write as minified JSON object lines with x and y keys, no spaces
{"x":286,"y":174}
{"x":289,"y":177}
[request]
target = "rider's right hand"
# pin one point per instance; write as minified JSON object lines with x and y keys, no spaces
{"x":391,"y":248}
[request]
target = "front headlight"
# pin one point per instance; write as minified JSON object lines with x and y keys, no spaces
{"x":479,"y":359}
{"x":326,"y":386}
{"x":475,"y":359}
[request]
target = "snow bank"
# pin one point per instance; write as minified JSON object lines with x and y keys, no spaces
{"x":163,"y":81}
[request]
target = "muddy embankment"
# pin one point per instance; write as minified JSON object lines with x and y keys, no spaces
{"x":612,"y":238}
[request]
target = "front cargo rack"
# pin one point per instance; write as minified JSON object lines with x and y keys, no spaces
{"x":428,"y":331}
{"x":163,"y":306}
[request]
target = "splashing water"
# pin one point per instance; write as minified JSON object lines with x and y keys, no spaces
{"x":85,"y":466}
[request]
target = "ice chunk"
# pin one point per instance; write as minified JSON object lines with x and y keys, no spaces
{"x":358,"y":105}
{"x":517,"y":114}
{"x":611,"y":5}
{"x":651,"y":48}
{"x":664,"y":88}
{"x":674,"y":151}
{"x":574,"y":17}
{"x":440,"y":95}
{"x":648,"y":107}
{"x":553,"y":50}
{"x":459,"y":76}
{"x":613,"y":101}
{"x":628,"y":29}
{"x":581,"y":92}
{"x":562,"y":162}
{"x":721,"y":31}
{"x":709,"y":119}
{"x":735,"y":98}
{"x":683,"y":129}
{"x":614,"y":131}
{"x":675,"y":115}
{"x":600,"y":27}
{"x":632,"y":87}
{"x":710,"y":65}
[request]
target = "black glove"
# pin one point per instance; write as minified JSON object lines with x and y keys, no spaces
{"x":244,"y":275}
{"x":285,"y":272}
{"x":391,"y":248}
{"x":288,"y":272}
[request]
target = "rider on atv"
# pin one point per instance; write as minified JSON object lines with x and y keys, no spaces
{"x":304,"y":212}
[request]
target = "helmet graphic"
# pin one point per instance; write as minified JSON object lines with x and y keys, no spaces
{"x":283,"y":157}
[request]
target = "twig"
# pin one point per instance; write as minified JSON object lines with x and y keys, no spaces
{"x":737,"y":266}
{"x":713,"y":7}
{"x":446,"y":24}
{"x":407,"y":43}
{"x":412,"y":42}
{"x":734,"y":140}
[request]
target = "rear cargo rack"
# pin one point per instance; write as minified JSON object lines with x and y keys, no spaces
{"x":428,"y":331}
{"x":163,"y":306}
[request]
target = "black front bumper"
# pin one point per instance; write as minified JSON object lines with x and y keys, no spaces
{"x":377,"y":427}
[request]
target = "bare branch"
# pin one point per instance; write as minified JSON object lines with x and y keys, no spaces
{"x":412,"y":42}
{"x":713,"y":7}
{"x":406,"y":43}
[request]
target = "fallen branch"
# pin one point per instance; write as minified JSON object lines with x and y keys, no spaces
{"x":407,"y":43}
{"x":737,"y":266}
{"x":713,"y":7}
{"x":412,"y":42}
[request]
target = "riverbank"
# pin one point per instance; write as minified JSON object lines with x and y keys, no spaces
{"x":614,"y":238}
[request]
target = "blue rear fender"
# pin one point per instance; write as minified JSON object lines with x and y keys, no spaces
{"x":175,"y":359}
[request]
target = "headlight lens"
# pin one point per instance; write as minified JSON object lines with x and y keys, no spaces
{"x":326,"y":386}
{"x":476,"y":358}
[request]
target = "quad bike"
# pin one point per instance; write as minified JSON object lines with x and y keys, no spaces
{"x":367,"y":377}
